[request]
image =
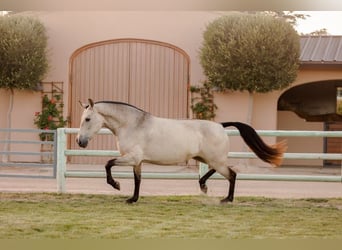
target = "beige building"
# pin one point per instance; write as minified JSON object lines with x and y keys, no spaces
{"x":149,"y":58}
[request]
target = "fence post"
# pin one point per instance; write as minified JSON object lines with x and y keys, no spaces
{"x":54,"y":154}
{"x":61,"y":160}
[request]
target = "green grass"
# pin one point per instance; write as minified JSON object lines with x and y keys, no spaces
{"x":41,"y":215}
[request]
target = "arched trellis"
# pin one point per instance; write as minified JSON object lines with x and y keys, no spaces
{"x":150,"y":74}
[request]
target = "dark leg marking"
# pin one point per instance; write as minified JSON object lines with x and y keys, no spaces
{"x":137,"y":181}
{"x":203,"y":180}
{"x":232,"y":178}
{"x":110,"y":180}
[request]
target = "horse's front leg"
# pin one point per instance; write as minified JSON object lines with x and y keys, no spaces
{"x":137,"y":181}
{"x":126,"y":160}
{"x":110,"y":180}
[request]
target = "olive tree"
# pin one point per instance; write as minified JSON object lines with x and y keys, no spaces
{"x":23,"y":59}
{"x":257,"y":53}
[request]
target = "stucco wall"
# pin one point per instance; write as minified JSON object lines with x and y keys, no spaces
{"x":25,"y":104}
{"x":314,"y":74}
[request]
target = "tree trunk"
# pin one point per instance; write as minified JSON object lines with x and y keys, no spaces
{"x":248,"y":121}
{"x":250,"y":108}
{"x":5,"y":157}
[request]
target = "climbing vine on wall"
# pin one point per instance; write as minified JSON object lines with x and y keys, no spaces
{"x":202,"y":102}
{"x":51,"y":116}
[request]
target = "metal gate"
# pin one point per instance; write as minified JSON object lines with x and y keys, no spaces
{"x":151,"y":75}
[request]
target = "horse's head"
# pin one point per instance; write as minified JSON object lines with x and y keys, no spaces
{"x":91,"y":123}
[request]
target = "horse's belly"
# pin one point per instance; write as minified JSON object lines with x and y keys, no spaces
{"x":170,"y":155}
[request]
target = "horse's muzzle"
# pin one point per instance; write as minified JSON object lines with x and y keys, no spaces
{"x":82,"y":142}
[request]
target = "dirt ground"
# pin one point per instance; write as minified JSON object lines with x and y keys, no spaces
{"x":219,"y":188}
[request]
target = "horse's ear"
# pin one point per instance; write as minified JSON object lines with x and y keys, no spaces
{"x":91,"y":102}
{"x":83,"y":105}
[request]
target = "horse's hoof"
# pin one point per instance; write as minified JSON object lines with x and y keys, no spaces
{"x":113,"y":183}
{"x":226,"y":200}
{"x":204,"y":188}
{"x":116,"y":185}
{"x":131,"y":200}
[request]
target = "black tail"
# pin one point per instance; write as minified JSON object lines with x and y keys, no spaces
{"x":271,"y":154}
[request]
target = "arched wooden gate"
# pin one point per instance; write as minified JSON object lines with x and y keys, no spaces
{"x":151,"y":75}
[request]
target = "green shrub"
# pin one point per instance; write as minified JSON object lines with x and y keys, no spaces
{"x":23,"y":60}
{"x":257,"y":53}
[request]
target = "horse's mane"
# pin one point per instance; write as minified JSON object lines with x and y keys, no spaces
{"x":122,"y":103}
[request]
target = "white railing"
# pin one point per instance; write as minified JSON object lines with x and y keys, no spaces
{"x":63,"y":152}
{"x":50,"y":155}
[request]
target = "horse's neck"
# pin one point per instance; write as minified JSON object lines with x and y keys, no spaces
{"x":119,"y":116}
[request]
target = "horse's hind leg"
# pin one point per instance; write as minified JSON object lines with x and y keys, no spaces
{"x":231,"y":178}
{"x":204,"y":178}
{"x":110,"y":180}
{"x":137,"y":181}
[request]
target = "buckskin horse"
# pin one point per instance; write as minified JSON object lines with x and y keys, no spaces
{"x":143,"y":137}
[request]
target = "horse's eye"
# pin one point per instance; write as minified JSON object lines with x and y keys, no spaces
{"x":87,"y":119}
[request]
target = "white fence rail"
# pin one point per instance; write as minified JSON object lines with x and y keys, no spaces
{"x":63,"y":152}
{"x":49,"y":164}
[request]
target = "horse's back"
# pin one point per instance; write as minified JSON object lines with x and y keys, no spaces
{"x":192,"y":138}
{"x":197,"y":128}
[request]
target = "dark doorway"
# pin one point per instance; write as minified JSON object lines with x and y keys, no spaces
{"x":317,"y":102}
{"x":312,"y":101}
